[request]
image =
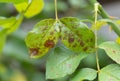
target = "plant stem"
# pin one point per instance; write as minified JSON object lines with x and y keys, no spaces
{"x":96,"y":47}
{"x":56,"y":13}
{"x":114,"y":26}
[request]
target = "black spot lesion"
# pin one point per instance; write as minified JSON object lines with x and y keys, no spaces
{"x":70,"y":39}
{"x":52,"y":33}
{"x":82,"y":43}
{"x":74,"y":45}
{"x":85,"y":48}
{"x":34,"y":51}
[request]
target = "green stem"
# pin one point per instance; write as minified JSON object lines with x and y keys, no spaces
{"x":56,"y":13}
{"x":114,"y":26}
{"x":96,"y":46}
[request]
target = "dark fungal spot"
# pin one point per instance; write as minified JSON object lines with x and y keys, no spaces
{"x":49,"y":44}
{"x":51,"y":33}
{"x":55,"y":30}
{"x":85,"y":49}
{"x":70,"y":40}
{"x":34,"y":51}
{"x":75,"y":45}
{"x":91,"y":40}
{"x":81,"y":43}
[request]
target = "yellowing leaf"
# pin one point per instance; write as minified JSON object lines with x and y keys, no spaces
{"x":7,"y":22}
{"x":30,"y":9}
{"x":118,"y":40}
{"x":34,"y":8}
{"x":118,"y":22}
{"x":21,"y":7}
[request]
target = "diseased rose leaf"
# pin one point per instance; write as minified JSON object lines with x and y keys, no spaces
{"x":110,"y":73}
{"x":42,"y":38}
{"x":76,"y":35}
{"x":112,"y":49}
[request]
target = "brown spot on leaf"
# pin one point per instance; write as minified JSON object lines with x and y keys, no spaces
{"x":75,"y":45}
{"x":49,"y":44}
{"x":81,"y":43}
{"x":85,"y":49}
{"x":34,"y":51}
{"x":91,"y":40}
{"x":51,"y":33}
{"x":70,"y":40}
{"x":114,"y":51}
{"x":55,"y":30}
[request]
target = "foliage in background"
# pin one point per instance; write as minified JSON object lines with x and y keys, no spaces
{"x":62,"y":60}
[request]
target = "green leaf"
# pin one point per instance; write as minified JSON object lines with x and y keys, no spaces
{"x":7,"y":22}
{"x":34,"y":8}
{"x":62,"y":62}
{"x":112,"y":49}
{"x":76,"y":35}
{"x":84,"y":74}
{"x":42,"y":38}
{"x":110,"y":73}
{"x":12,"y":1}
{"x":2,"y":39}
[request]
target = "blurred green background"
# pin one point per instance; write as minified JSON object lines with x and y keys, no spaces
{"x":15,"y":63}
